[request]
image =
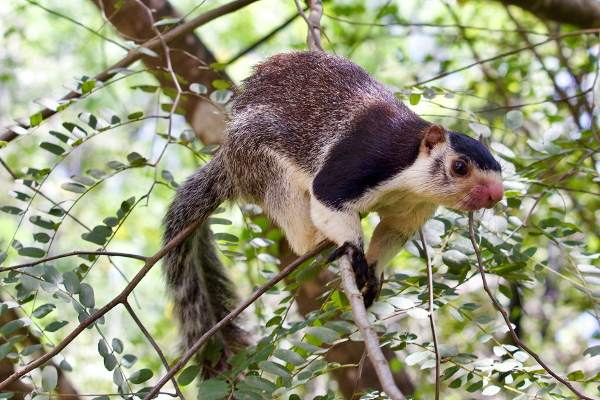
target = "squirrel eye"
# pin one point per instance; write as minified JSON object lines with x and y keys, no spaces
{"x":460,"y":167}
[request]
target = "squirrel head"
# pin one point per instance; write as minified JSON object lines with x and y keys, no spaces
{"x":466,"y":175}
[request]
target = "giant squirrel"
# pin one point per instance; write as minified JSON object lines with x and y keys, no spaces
{"x":315,"y":140}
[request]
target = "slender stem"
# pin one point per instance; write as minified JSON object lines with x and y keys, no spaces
{"x":380,"y":363}
{"x":518,"y":341}
{"x":233,"y":314}
{"x":75,"y":253}
{"x":438,"y":359}
{"x":153,"y":343}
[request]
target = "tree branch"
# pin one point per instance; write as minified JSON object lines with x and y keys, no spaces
{"x":438,"y":360}
{"x":75,"y":253}
{"x":582,"y":13}
{"x":382,"y":368}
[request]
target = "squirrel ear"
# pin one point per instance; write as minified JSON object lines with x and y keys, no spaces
{"x":435,"y":135}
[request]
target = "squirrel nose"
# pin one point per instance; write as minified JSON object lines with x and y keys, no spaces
{"x":495,"y":193}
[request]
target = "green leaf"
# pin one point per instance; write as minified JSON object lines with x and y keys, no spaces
{"x":455,"y":259}
{"x":475,"y":387}
{"x":103,"y":349}
{"x":141,"y":376}
{"x":260,"y":242}
{"x":484,"y":319}
{"x":128,"y":360}
{"x":490,"y":390}
{"x":260,"y":383}
{"x":447,"y":351}
{"x":448,"y":372}
{"x":43,"y":310}
{"x":41,"y":237}
{"x":275,"y":369}
{"x":94,"y":238}
{"x":414,"y":99}
{"x":56,"y":325}
{"x":60,"y":136}
{"x":213,"y":389}
{"x":198,"y":88}
{"x":592,"y":351}
{"x":326,"y":335}
{"x":49,"y":378}
{"x":228,"y":237}
{"x":146,"y":51}
{"x":221,"y":96}
{"x":64,"y":365}
{"x":221,"y":84}
{"x":11,"y":210}
{"x":84,"y":180}
{"x":86,"y":296}
{"x":289,"y":356}
{"x":27,"y":351}
{"x":514,"y":120}
{"x":52,"y":148}
{"x":5,"y":349}
{"x":135,"y":115}
{"x":96,"y":173}
{"x":88,"y":86}
{"x":11,"y":327}
{"x":73,"y":187}
{"x":117,"y":345}
{"x":35,"y":119}
{"x":188,"y":375}
{"x":116,"y":165}
{"x":30,"y":283}
{"x":167,"y":21}
{"x":110,"y":362}
{"x":71,"y":282}
{"x":417,"y":357}
{"x":46,"y":103}
{"x":576,"y":376}
{"x":33,"y":252}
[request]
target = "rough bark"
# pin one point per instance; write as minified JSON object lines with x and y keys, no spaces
{"x":133,"y":23}
{"x":583,"y":14}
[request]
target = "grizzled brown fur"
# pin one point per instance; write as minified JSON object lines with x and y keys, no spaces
{"x":315,"y":140}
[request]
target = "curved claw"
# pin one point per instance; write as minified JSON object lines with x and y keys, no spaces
{"x":366,"y":275}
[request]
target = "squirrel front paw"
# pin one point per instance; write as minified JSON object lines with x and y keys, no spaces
{"x":364,"y":273}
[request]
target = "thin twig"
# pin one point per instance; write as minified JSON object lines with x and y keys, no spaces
{"x":314,"y":42}
{"x":438,"y":359}
{"x":506,"y":54}
{"x":518,"y":341}
{"x":75,"y":253}
{"x":382,"y":368}
{"x":234,"y":313}
{"x":153,"y":343}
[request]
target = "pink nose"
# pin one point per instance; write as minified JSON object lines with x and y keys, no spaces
{"x":495,"y":193}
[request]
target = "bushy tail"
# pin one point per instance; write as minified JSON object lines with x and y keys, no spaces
{"x":202,"y":293}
